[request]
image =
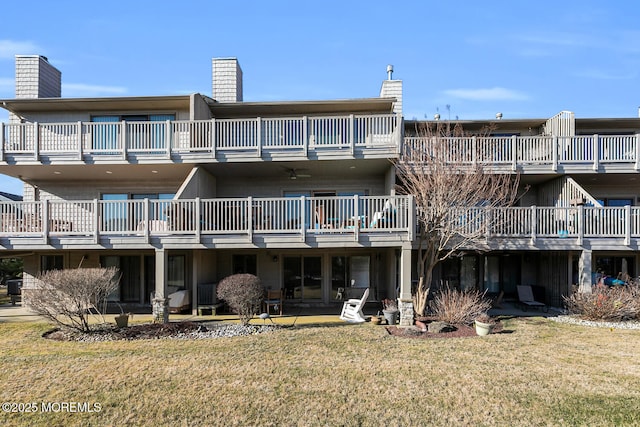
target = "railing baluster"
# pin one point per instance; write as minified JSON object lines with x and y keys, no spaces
{"x":596,"y":152}
{"x":36,"y":141}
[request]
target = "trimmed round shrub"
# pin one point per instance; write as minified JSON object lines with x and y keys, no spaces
{"x":243,"y":293}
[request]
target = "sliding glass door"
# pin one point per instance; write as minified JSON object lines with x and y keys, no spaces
{"x":303,"y":277}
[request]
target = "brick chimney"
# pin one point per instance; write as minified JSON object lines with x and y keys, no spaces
{"x":36,"y":78}
{"x":226,"y":80}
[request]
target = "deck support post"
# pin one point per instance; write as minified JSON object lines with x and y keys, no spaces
{"x":160,"y":302}
{"x":405,"y":300}
{"x":584,"y":272}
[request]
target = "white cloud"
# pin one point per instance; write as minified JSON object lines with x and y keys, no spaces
{"x":492,"y":94}
{"x":559,"y":39}
{"x":10,"y":48}
{"x":87,"y":90}
{"x":604,"y":75}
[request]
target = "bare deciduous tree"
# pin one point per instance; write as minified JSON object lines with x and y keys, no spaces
{"x":66,"y":297}
{"x":454,"y":190}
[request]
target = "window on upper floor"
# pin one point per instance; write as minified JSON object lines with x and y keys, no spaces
{"x":616,"y":202}
{"x":134,"y":118}
{"x":122,"y":216}
{"x":148,"y":136}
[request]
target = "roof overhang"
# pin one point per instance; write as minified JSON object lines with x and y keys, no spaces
{"x":284,"y":108}
{"x":609,"y":123}
{"x":183,"y":102}
{"x":596,"y":123}
{"x":476,"y":125}
{"x":37,"y":105}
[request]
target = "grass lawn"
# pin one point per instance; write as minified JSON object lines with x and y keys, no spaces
{"x":536,"y":372}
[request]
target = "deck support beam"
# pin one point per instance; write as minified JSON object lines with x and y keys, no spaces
{"x":584,"y":271}
{"x":160,"y":302}
{"x":405,"y":300}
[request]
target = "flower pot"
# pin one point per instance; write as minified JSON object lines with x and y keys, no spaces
{"x":122,"y":320}
{"x":391,"y":316}
{"x":483,"y":328}
{"x":421,"y":326}
{"x":375,"y":320}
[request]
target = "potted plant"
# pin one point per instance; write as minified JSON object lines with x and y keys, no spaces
{"x":375,"y":320}
{"x":484,"y":324}
{"x":390,"y":311}
{"x":122,"y":319}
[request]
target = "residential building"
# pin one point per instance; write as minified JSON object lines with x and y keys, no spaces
{"x":578,"y":221}
{"x":8,"y":197}
{"x":181,"y":191}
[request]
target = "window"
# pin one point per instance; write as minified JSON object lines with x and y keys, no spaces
{"x":136,"y":287}
{"x":139,"y":137}
{"x":245,"y":264}
{"x":616,"y":202}
{"x":105,"y":134}
{"x":614,"y":266}
{"x":134,"y":118}
{"x":348,"y":269}
{"x":177,"y":275}
{"x":333,"y":210}
{"x":114,"y":215}
{"x":129,"y":268}
{"x":302,"y":277}
{"x":118,"y":216}
{"x":51,"y":262}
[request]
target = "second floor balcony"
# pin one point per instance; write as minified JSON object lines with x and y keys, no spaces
{"x":535,"y":154}
{"x":372,"y":135}
{"x":342,"y":220}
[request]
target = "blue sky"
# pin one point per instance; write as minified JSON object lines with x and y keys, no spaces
{"x":464,"y":59}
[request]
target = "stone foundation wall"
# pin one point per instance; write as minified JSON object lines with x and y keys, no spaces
{"x":406,"y":312}
{"x":160,"y":308}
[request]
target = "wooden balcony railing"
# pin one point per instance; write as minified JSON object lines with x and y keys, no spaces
{"x":518,"y":151}
{"x":578,"y":223}
{"x":303,"y":216}
{"x":255,"y":135}
{"x":241,"y":216}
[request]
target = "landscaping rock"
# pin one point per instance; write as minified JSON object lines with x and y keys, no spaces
{"x":172,"y":330}
{"x":440,"y":327}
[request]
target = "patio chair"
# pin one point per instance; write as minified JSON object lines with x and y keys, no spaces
{"x":273,"y":298}
{"x":381,"y":219}
{"x":497,"y":303}
{"x":525,"y":297}
{"x":179,"y":301}
{"x":352,"y":309}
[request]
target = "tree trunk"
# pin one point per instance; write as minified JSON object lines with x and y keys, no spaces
{"x":428,"y":259}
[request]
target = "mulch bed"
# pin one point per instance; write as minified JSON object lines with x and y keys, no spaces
{"x":133,"y":332}
{"x":462,"y":331}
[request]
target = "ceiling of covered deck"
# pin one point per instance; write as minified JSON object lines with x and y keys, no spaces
{"x":178,"y":172}
{"x":317,"y":169}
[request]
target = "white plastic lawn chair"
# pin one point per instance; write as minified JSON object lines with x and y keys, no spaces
{"x":352,"y":309}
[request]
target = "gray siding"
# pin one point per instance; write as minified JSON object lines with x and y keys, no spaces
{"x":249,"y":186}
{"x":36,"y":78}
{"x":226,"y":80}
